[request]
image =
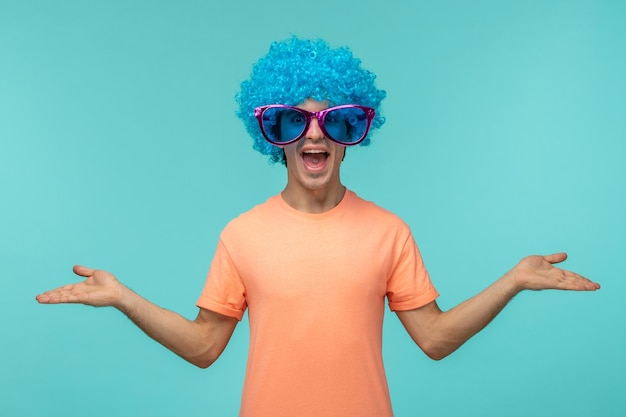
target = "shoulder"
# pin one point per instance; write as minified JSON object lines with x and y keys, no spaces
{"x":372,"y":220}
{"x":257,"y":217}
{"x":370,"y":210}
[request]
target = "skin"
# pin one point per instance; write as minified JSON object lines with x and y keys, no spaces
{"x":198,"y":341}
{"x":439,"y":333}
{"x":313,"y":190}
{"x":316,"y":190}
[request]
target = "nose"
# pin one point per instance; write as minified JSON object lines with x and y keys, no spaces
{"x":314,"y":131}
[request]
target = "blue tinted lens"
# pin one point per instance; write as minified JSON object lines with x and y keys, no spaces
{"x":347,"y":125}
{"x":282,"y":125}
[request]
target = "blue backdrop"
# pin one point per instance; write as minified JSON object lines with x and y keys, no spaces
{"x":119,"y":149}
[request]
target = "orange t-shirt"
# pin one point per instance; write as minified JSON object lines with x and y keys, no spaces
{"x":314,"y":286}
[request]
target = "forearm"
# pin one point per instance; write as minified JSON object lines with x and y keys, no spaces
{"x":189,"y":339}
{"x":454,"y":327}
{"x":441,"y":333}
{"x":199,"y":341}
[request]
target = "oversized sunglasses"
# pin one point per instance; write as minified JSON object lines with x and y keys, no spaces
{"x":346,"y":125}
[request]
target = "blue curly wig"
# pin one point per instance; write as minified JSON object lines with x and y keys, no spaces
{"x":297,"y":69}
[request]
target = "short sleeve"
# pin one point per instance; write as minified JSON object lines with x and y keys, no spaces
{"x":409,"y":285}
{"x":224,"y":291}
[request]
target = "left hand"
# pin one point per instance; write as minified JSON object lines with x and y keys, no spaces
{"x":539,"y":273}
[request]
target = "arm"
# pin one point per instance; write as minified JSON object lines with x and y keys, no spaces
{"x":200,"y":341}
{"x":440,"y":333}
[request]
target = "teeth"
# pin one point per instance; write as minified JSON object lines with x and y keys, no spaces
{"x":314,"y":151}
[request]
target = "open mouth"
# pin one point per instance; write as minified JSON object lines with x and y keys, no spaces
{"x":314,"y":158}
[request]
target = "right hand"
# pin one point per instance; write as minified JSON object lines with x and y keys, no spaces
{"x":100,"y":288}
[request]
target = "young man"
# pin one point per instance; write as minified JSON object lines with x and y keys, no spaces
{"x":314,"y":264}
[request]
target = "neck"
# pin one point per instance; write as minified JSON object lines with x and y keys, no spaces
{"x":313,"y":201}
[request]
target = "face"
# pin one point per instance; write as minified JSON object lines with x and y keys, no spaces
{"x":313,"y":162}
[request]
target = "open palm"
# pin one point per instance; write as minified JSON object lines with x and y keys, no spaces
{"x":539,"y":273}
{"x":100,"y":288}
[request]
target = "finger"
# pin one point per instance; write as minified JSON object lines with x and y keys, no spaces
{"x":83,"y":271}
{"x":556,"y":258}
{"x":65,"y":294}
{"x":583,"y":285}
{"x":573,"y":281}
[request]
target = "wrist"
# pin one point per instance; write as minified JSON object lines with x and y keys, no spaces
{"x":511,"y":283}
{"x":126,"y":299}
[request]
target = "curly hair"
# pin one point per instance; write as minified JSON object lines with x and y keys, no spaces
{"x":296,"y":69}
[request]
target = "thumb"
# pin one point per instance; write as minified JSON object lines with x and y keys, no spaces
{"x":556,"y":258}
{"x":83,"y":271}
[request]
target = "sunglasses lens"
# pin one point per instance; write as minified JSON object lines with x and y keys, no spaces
{"x":282,"y":124}
{"x":347,"y":125}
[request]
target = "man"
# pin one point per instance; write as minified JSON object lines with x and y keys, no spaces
{"x":314,"y":264}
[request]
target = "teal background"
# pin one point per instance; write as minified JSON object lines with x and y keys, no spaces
{"x":119,"y":149}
